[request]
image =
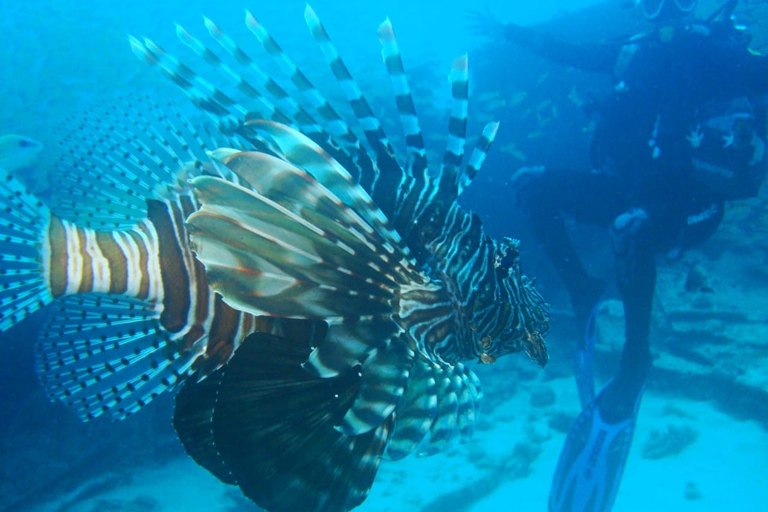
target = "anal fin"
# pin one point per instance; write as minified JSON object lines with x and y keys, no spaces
{"x":272,"y":425}
{"x":193,"y":421}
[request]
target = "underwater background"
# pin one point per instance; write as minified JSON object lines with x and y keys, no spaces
{"x":702,"y":435}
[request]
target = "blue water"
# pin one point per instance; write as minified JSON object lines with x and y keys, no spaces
{"x":59,"y":58}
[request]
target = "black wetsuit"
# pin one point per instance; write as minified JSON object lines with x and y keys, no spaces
{"x":642,"y":183}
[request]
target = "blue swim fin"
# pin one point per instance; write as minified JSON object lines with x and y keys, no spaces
{"x":585,"y":379}
{"x":592,"y":461}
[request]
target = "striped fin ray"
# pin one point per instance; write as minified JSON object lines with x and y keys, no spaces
{"x":384,"y":376}
{"x":268,"y":109}
{"x":388,"y":182}
{"x":226,"y":112}
{"x":469,"y":395}
{"x":23,"y":218}
{"x":443,"y":427}
{"x":304,"y":121}
{"x":383,"y":153}
{"x":478,"y":156}
{"x":118,"y":157}
{"x":417,"y":158}
{"x":104,"y":354}
{"x":457,"y":126}
{"x":441,"y":402}
{"x":334,"y":124}
{"x":416,"y":412}
{"x":458,"y":395}
{"x":353,"y":156}
{"x":437,"y":201}
{"x":433,"y":204}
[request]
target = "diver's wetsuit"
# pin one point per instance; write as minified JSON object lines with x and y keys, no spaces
{"x":643,"y":184}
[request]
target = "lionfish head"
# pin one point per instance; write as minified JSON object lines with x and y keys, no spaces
{"x":520,"y":316}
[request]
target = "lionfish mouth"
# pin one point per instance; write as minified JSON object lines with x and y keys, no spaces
{"x":535,"y":347}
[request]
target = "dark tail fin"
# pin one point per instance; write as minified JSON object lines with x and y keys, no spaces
{"x":268,"y":425}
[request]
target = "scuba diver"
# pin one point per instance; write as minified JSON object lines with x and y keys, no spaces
{"x":681,"y":132}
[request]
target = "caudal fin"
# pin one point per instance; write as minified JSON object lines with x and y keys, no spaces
{"x":23,"y":221}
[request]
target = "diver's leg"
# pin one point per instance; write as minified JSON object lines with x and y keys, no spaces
{"x":584,"y":290}
{"x":591,"y":197}
{"x":635,"y":248}
{"x":548,"y":195}
{"x":594,"y":455}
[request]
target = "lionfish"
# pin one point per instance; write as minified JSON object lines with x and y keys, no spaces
{"x":320,"y":294}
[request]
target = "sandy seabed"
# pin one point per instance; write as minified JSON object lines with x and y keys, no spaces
{"x":508,"y":465}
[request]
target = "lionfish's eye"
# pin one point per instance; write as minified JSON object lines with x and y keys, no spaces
{"x":507,"y":260}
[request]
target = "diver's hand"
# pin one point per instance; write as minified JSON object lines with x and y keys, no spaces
{"x":484,"y":24}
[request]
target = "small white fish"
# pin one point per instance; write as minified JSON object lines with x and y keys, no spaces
{"x":495,"y":105}
{"x":512,"y":149}
{"x":575,"y":98}
{"x":518,"y":98}
{"x":535,"y":134}
{"x":18,"y":152}
{"x":488,"y":96}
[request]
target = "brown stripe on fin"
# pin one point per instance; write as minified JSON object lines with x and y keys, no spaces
{"x":273,"y":429}
{"x":176,"y":281}
{"x":118,"y":262}
{"x":57,"y":259}
{"x":265,"y":259}
{"x":86,"y":279}
{"x":223,"y":336}
{"x":301,"y":193}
